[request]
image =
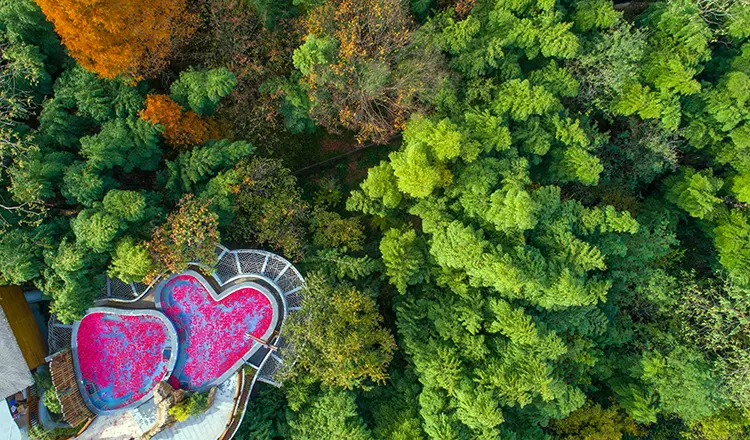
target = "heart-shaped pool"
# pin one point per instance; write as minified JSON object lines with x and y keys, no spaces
{"x":121,"y":355}
{"x":213,"y":328}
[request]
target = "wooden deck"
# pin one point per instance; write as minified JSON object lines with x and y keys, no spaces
{"x":75,"y":411}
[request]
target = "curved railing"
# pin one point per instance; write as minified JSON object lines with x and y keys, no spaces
{"x":276,"y":271}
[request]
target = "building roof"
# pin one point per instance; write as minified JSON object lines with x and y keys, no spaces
{"x":16,"y":375}
{"x":21,"y":319}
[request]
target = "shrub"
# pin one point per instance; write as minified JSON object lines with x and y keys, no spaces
{"x":52,"y":401}
{"x":194,"y":404}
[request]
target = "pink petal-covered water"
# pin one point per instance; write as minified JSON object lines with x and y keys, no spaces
{"x":212,"y":334}
{"x":121,"y":356}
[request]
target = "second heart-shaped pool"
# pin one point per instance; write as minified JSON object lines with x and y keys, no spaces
{"x":213,"y":329}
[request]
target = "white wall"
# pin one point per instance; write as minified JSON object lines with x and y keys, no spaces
{"x":8,"y":428}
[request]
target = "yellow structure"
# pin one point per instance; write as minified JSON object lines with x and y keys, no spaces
{"x":23,"y":325}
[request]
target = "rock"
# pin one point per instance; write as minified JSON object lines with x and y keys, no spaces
{"x":211,"y":397}
{"x":162,"y":391}
{"x":165,"y":397}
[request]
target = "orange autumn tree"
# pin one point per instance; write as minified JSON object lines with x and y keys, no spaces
{"x":180,"y":128}
{"x":120,"y":37}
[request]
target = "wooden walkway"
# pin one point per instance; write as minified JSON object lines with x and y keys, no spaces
{"x":75,"y":411}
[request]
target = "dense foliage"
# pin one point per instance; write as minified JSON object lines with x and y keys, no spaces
{"x":85,"y":177}
{"x":551,"y":242}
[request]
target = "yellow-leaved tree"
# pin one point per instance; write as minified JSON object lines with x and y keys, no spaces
{"x":121,"y":37}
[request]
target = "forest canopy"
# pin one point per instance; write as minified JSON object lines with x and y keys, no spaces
{"x":519,"y":219}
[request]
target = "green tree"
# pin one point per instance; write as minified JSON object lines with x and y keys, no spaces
{"x":715,"y":315}
{"x":590,"y":14}
{"x":315,"y":51}
{"x":83,"y":184}
{"x":381,"y":185}
{"x":330,"y":230}
{"x":74,"y":277}
{"x":605,"y":65}
{"x":131,"y":261}
{"x":129,"y":206}
{"x":741,"y":187}
{"x":337,"y":264}
{"x":332,"y":414}
{"x":683,"y":381}
{"x":271,"y":12}
{"x":420,"y":167}
{"x":265,"y":417}
{"x":37,"y":176}
{"x":96,"y":230}
{"x":127,"y":143}
{"x":678,"y":43}
{"x":23,"y":79}
{"x":21,"y":251}
{"x":694,"y":191}
{"x":23,"y":22}
{"x":392,"y":410}
{"x":269,"y":207}
{"x":201,"y":90}
{"x":59,"y":127}
{"x":192,"y":167}
{"x":640,"y":403}
{"x":404,"y":258}
{"x":731,"y":240}
{"x":97,"y":98}
{"x":338,"y":335}
{"x":578,"y":164}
